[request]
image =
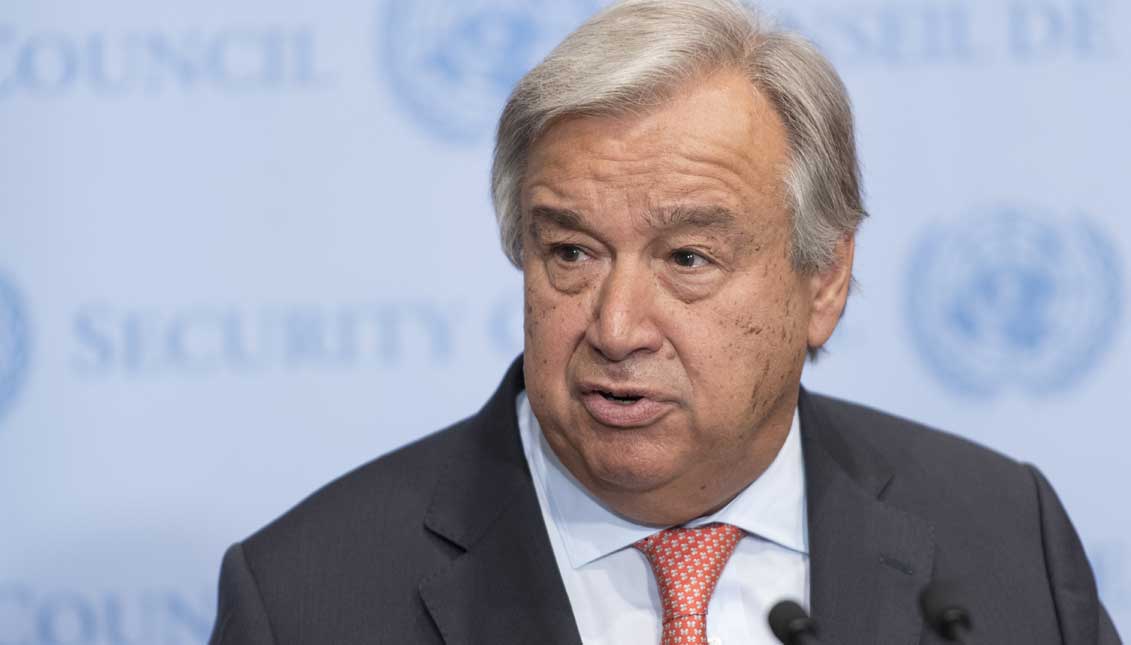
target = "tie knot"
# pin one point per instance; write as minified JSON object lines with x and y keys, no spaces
{"x":687,"y":564}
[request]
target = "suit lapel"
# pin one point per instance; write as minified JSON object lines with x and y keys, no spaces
{"x":505,"y":586}
{"x":868,"y":560}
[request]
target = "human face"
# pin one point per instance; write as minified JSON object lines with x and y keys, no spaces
{"x":665,"y":326}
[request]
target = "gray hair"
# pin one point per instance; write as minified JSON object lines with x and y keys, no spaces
{"x":632,"y":55}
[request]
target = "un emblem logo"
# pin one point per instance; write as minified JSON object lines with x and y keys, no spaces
{"x":452,"y":63}
{"x":1010,"y":298}
{"x":13,"y":344}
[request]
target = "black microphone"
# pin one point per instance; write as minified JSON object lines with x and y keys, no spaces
{"x":792,"y":626}
{"x":943,"y":612}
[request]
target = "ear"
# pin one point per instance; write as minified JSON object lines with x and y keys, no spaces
{"x":829,"y":289}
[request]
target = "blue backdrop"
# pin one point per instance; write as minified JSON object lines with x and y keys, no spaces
{"x":247,"y":246}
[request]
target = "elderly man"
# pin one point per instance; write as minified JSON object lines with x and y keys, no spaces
{"x":679,"y":187}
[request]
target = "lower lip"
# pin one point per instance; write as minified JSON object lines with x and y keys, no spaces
{"x":640,"y":412}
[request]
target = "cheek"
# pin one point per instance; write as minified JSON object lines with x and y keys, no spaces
{"x":552,"y":323}
{"x":553,"y":327}
{"x":742,"y":356}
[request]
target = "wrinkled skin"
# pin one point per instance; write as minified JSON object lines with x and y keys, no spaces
{"x":657,"y":265}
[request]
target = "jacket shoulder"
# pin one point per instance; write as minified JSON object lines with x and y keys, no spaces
{"x":954,"y":482}
{"x":345,"y":565}
{"x":912,"y":449}
{"x":993,"y":519}
{"x":398,"y":484}
{"x":359,"y":540}
{"x":966,"y":491}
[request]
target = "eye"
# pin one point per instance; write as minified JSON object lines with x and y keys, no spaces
{"x":689,"y":259}
{"x":568,"y":253}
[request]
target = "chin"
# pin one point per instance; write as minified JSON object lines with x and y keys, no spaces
{"x":630,"y":468}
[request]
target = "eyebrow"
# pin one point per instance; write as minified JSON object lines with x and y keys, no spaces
{"x":710,"y":217}
{"x":562,"y":218}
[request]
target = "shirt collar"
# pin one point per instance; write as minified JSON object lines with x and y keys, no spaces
{"x":772,"y":507}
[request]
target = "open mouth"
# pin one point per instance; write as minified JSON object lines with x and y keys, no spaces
{"x":624,"y":408}
{"x":623,"y":400}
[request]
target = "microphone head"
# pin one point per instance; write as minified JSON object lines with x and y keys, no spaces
{"x":788,"y":621}
{"x":943,"y":611}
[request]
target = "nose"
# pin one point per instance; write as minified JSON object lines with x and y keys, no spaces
{"x":623,"y":321}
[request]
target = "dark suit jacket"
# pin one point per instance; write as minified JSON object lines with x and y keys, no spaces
{"x":443,"y":541}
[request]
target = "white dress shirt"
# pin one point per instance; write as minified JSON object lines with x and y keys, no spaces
{"x":610,"y":584}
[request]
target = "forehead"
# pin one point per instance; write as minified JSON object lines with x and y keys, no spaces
{"x":716,"y":142}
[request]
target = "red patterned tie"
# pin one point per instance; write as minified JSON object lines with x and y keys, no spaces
{"x":687,"y":564}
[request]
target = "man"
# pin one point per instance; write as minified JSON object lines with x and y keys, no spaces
{"x":680,"y":190}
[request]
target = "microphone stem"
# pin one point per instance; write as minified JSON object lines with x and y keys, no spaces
{"x":958,"y":633}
